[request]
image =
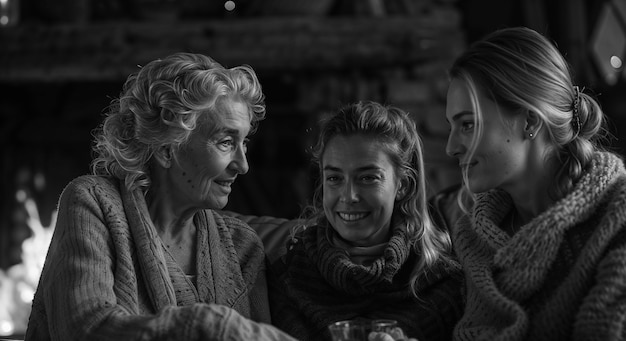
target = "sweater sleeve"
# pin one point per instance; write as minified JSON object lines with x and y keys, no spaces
{"x":285,"y":314}
{"x":80,"y":295}
{"x":259,"y":302}
{"x":277,"y":293}
{"x":603,"y":312}
{"x":252,"y":260}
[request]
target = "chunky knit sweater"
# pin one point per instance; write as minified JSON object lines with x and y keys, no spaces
{"x":316,"y":284}
{"x":561,"y":277}
{"x":107,"y":275}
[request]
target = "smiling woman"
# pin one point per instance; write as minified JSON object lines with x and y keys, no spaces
{"x":200,"y":172}
{"x":360,"y":188}
{"x":499,"y":142}
{"x":139,"y":250}
{"x":369,"y":250}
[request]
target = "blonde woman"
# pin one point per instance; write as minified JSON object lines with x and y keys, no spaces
{"x":544,"y":246}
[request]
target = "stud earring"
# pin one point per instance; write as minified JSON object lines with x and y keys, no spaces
{"x":530,"y":135}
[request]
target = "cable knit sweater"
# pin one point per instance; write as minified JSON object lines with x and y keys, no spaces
{"x":107,"y":275}
{"x":561,"y":277}
{"x":316,"y":284}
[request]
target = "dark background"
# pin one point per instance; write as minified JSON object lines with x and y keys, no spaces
{"x":61,"y":63}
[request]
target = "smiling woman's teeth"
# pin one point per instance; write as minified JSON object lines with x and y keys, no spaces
{"x":352,"y":216}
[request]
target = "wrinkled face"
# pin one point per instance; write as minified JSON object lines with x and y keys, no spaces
{"x":498,"y":161}
{"x":208,"y":165}
{"x":359,"y":189}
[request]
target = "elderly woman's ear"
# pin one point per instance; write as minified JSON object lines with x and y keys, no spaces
{"x":163,"y":156}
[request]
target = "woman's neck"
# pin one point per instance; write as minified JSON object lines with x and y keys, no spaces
{"x":530,"y":204}
{"x":167,"y":219}
{"x":531,"y":195}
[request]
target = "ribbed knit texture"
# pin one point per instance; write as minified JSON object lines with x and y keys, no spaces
{"x":561,"y":277}
{"x":107,"y":275}
{"x":316,"y":284}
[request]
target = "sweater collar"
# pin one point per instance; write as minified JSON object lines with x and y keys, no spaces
{"x":362,"y":255}
{"x":149,"y":249}
{"x":528,"y":255}
{"x":219,"y":274}
{"x":340,"y":272}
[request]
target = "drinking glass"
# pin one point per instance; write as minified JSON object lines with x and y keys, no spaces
{"x":348,"y":330}
{"x":386,"y":326}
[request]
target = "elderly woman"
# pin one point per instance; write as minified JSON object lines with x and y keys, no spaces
{"x":138,"y":251}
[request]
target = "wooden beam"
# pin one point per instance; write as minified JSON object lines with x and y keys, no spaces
{"x":111,"y":51}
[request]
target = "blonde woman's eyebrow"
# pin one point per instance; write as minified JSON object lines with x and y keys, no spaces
{"x":458,"y":116}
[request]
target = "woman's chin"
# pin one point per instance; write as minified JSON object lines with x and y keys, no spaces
{"x":216,"y":204}
{"x":477,"y":187}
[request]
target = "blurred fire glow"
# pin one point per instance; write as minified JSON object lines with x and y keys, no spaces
{"x":18,"y":283}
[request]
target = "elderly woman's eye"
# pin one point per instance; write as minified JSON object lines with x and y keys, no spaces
{"x":245,"y":145}
{"x":226,"y":144}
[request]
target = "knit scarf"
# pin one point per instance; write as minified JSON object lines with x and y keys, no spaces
{"x":504,"y":271}
{"x":326,"y":286}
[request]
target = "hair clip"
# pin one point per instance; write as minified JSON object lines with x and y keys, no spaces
{"x":575,"y":108}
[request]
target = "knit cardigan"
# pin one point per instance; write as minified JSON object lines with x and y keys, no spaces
{"x":561,"y":277}
{"x":107,"y":275}
{"x":316,"y":284}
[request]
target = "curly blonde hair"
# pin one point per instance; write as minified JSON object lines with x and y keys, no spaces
{"x":161,"y":105}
